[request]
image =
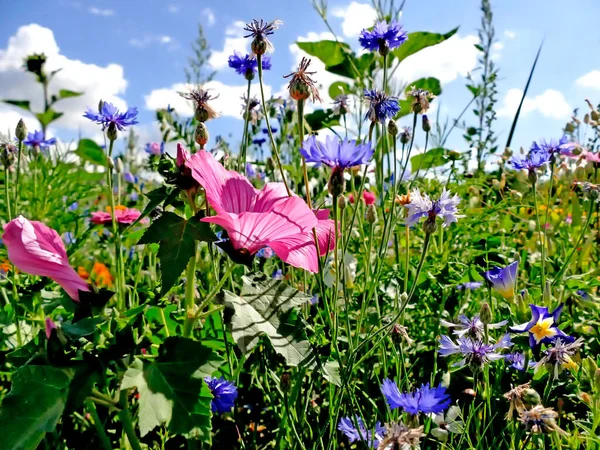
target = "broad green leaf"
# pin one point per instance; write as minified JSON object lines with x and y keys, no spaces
{"x":23,"y":104}
{"x":331,"y":372}
{"x":435,"y":157}
{"x":321,"y":118}
{"x":177,"y":238}
{"x":267,"y":307}
{"x":337,"y":88}
{"x":419,"y":40}
{"x":83,"y":327}
{"x":65,"y":93}
{"x":162,"y":318}
{"x":172,"y":388}
{"x":331,"y":53}
{"x":429,"y":84}
{"x":48,"y":117}
{"x":91,"y":152}
{"x":155,"y":197}
{"x":34,"y":405}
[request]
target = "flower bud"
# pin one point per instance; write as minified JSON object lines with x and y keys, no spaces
{"x":569,"y":128}
{"x":426,"y":124}
{"x":259,"y":45}
{"x":430,"y":225}
{"x":119,"y":165}
{"x":384,"y":47}
{"x":110,"y":163}
{"x":532,"y":176}
{"x":595,"y":116}
{"x":531,"y":397}
{"x":405,"y":135}
{"x":111,"y":133}
{"x":392,"y":128}
{"x":249,"y":75}
{"x":486,"y":313}
{"x":21,"y":130}
{"x":371,"y":215}
{"x":201,"y":134}
{"x":201,"y":114}
{"x":299,"y":90}
{"x":7,"y":155}
{"x":336,"y":182}
{"x":403,"y":298}
{"x":269,"y":165}
{"x":341,"y":202}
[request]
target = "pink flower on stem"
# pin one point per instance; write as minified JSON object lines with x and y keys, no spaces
{"x":38,"y":250}
{"x":182,"y":155}
{"x":49,"y":325}
{"x":256,"y":218}
{"x":123,"y":215}
{"x":369,"y":198}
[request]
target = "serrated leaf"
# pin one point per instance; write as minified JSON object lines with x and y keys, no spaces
{"x":172,"y":388}
{"x":419,"y":40}
{"x":46,"y":118}
{"x":155,"y":197}
{"x":91,"y":152}
{"x":267,"y":307}
{"x":34,"y":405}
{"x":435,"y":157}
{"x":176,"y":237}
{"x":23,"y":104}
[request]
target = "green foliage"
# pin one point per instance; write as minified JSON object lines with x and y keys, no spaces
{"x":91,"y":152}
{"x":419,"y":40}
{"x":435,"y":157}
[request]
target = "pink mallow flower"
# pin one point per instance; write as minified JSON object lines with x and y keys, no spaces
{"x":38,"y":250}
{"x":256,"y":218}
{"x":123,"y":215}
{"x":368,"y":197}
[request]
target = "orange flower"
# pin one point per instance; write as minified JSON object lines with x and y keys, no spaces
{"x":82,"y":272}
{"x":101,"y":275}
{"x":5,"y":266}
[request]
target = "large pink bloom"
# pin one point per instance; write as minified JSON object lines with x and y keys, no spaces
{"x":36,"y":249}
{"x":123,"y":215}
{"x":255,"y":218}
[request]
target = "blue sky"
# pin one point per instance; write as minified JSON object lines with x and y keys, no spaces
{"x":135,"y":52}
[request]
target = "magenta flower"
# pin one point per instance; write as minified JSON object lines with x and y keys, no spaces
{"x":37,"y":249}
{"x":255,"y":219}
{"x":123,"y":215}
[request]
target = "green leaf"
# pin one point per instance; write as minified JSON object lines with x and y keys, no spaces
{"x":83,"y":327}
{"x":23,"y":104}
{"x":176,"y":237}
{"x":429,"y":84}
{"x":65,"y":93}
{"x":34,"y":405}
{"x":91,"y":152}
{"x":172,"y":388}
{"x":435,"y":157}
{"x":48,"y":117}
{"x":337,"y":88}
{"x":321,"y":118}
{"x":419,"y":40}
{"x":331,"y":372}
{"x":162,"y":318}
{"x":267,"y":307}
{"x":155,"y":197}
{"x":331,"y":53}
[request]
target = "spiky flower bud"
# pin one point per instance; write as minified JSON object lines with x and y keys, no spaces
{"x":486,"y":313}
{"x":286,"y":382}
{"x":569,"y":128}
{"x":270,"y":165}
{"x":430,"y":225}
{"x":336,"y":182}
{"x":201,"y":114}
{"x":392,"y":128}
{"x":259,"y":45}
{"x":405,"y":135}
{"x":201,"y":135}
{"x":595,"y":115}
{"x":341,"y":202}
{"x":426,"y":124}
{"x":371,"y":215}
{"x":21,"y":130}
{"x":111,"y":132}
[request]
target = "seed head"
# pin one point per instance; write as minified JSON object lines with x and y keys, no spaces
{"x":302,"y":86}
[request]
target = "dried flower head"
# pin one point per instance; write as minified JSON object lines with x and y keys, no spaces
{"x":541,"y":419}
{"x":259,"y":30}
{"x":520,"y":397}
{"x":401,"y":437}
{"x":302,"y":86}
{"x":558,"y":356}
{"x":254,"y":111}
{"x":200,"y":97}
{"x":421,"y":99}
{"x":341,"y":104}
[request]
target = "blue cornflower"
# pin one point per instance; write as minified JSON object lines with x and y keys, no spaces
{"x":155,"y":148}
{"x":247,"y":65}
{"x":543,"y":326}
{"x":381,"y":105}
{"x":471,"y":327}
{"x":553,"y":146}
{"x":475,"y":352}
{"x":265,"y":252}
{"x":385,"y":36}
{"x":421,"y":205}
{"x":469,"y":285}
{"x":73,"y":206}
{"x":517,"y":361}
{"x":425,"y":399}
{"x":259,"y":141}
{"x":336,"y":153}
{"x":314,"y":299}
{"x":224,"y":394}
{"x":266,"y":130}
{"x":277,"y":274}
{"x":36,"y":139}
{"x":533,"y":161}
{"x":69,"y":238}
{"x":134,"y":196}
{"x":130,"y":178}
{"x":503,"y":279}
{"x":584,"y":295}
{"x":346,"y":426}
{"x":110,"y":117}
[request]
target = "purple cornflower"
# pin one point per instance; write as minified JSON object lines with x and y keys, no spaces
{"x":130,"y":178}
{"x":422,"y":206}
{"x":259,"y":141}
{"x":36,"y":139}
{"x":533,"y":161}
{"x":553,"y":146}
{"x":265,"y":252}
{"x":384,"y":37}
{"x":341,"y":104}
{"x":503,"y":279}
{"x":250,"y":171}
{"x":277,"y":274}
{"x":266,"y":130}
{"x":558,"y":356}
{"x":381,"y":105}
{"x":469,"y":285}
{"x":73,"y":206}
{"x":517,"y":361}
{"x":346,"y":426}
{"x":336,"y":153}
{"x":155,"y":148}
{"x":425,"y":399}
{"x":224,"y":394}
{"x":474,"y":351}
{"x":110,"y":117}
{"x":471,"y":327}
{"x":543,"y":326}
{"x":247,"y":65}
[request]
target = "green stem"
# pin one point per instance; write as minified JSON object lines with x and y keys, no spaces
{"x":190,"y":300}
{"x":127,"y":422}
{"x":6,"y":194}
{"x":542,"y":237}
{"x":301,"y":137}
{"x":104,"y":440}
{"x":266,"y":114}
{"x":17,"y":177}
{"x":244,"y":148}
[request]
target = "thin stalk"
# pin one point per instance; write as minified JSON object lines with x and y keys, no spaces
{"x":6,"y":194}
{"x":190,"y":297}
{"x":301,"y":136}
{"x":338,"y":266}
{"x":17,"y":177}
{"x":104,"y":440}
{"x":412,"y":140}
{"x":542,"y":237}
{"x":407,"y":257}
{"x":127,"y":422}
{"x":266,"y":114}
{"x":244,"y":148}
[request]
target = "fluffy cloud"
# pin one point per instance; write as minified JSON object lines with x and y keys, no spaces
{"x":209,"y":14}
{"x":590,"y":80}
{"x":228,"y":103}
{"x":551,"y":103}
{"x":97,"y":82}
{"x":355,"y":17}
{"x":234,"y":40}
{"x":164,"y":40}
{"x":510,"y":34}
{"x":173,"y":9}
{"x":101,"y":12}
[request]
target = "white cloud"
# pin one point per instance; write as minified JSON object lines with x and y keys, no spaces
{"x":97,"y":82}
{"x":168,"y":41}
{"x":497,"y":46}
{"x":173,"y":9}
{"x":590,"y":80}
{"x":234,"y":41}
{"x":101,"y":12}
{"x":355,"y":17}
{"x":210,"y":16}
{"x":510,"y":34}
{"x":551,"y":103}
{"x":228,"y":103}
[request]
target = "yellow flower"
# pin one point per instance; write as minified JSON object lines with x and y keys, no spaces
{"x":543,"y":328}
